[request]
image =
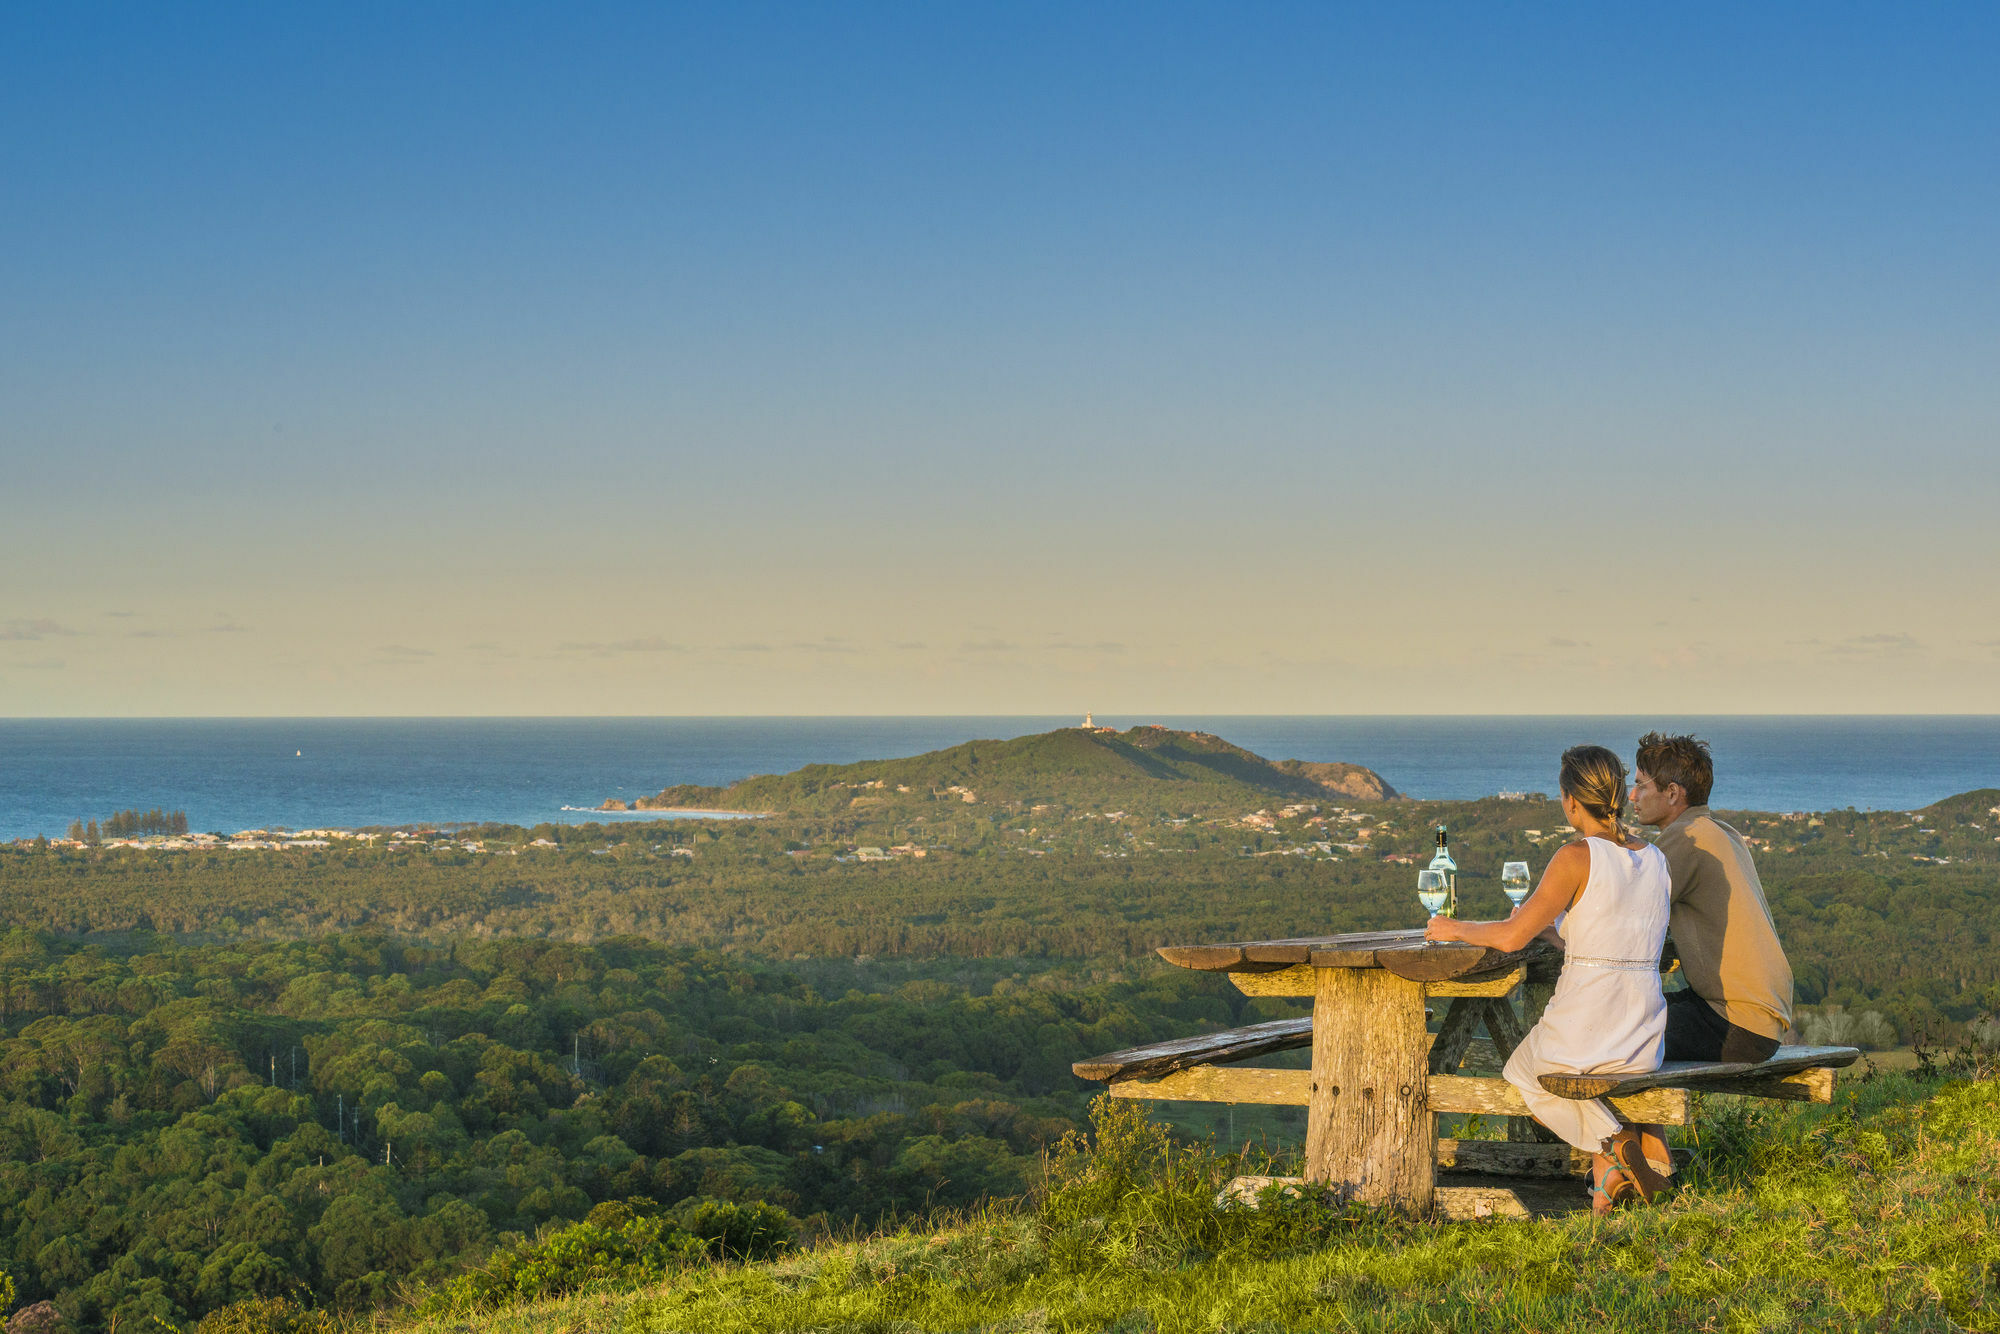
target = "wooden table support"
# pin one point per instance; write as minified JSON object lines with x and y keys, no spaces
{"x":1370,"y":1134}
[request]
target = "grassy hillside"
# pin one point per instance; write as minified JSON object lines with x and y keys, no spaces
{"x":1150,"y":770}
{"x":1879,"y":1212}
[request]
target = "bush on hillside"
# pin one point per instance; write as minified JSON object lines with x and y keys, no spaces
{"x":730,"y":1231}
{"x":40,"y":1318}
{"x":621,"y":1244}
{"x":1129,"y":1195}
{"x":1834,"y":1026}
{"x":266,"y":1315}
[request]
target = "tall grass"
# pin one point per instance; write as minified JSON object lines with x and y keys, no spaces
{"x":1879,"y":1212}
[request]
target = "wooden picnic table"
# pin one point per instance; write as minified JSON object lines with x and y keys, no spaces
{"x":1372,"y":1090}
{"x":1379,"y":1077}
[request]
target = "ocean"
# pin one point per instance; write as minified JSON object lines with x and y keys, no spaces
{"x":231,"y":774}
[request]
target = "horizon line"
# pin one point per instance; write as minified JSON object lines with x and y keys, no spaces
{"x":910,"y":717}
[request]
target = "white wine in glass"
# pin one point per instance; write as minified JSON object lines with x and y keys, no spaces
{"x":1431,"y":890}
{"x":1514,"y":880}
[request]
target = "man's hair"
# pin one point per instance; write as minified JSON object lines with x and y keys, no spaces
{"x":1678,"y":759}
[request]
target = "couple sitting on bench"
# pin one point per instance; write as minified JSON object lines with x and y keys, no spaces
{"x":1612,"y":899}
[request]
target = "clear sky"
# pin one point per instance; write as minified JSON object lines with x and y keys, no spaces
{"x":569,"y":359}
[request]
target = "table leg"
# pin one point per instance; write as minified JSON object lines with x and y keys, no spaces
{"x":1455,"y":1034}
{"x":1506,"y":1032}
{"x":1535,"y":998}
{"x":1370,"y":1134}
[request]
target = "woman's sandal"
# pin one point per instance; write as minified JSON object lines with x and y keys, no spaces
{"x":1629,"y":1153}
{"x":1612,"y":1186}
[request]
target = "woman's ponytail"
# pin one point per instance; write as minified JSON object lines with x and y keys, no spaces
{"x":1595,"y":779}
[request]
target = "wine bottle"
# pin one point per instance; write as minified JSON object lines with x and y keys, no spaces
{"x":1445,"y":866}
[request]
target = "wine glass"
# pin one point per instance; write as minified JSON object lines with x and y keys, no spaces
{"x":1431,"y":890}
{"x":1514,"y":881}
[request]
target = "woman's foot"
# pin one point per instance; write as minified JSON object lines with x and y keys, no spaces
{"x":1653,"y":1143}
{"x":1628,"y":1152}
{"x":1609,"y":1185}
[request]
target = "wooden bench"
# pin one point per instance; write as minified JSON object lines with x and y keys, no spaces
{"x":1194,"y":1070}
{"x":1794,"y":1074}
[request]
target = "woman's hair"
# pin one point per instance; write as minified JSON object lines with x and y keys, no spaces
{"x":1595,"y":779}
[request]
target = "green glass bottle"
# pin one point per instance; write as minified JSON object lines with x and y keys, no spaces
{"x":1445,"y":866}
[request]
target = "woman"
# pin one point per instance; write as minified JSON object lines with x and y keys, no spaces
{"x":1606,"y":898}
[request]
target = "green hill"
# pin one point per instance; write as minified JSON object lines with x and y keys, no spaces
{"x":1877,"y":1213}
{"x":1978,"y":808}
{"x":1146,"y":769}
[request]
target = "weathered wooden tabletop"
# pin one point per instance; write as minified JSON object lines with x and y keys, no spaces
{"x":1405,"y":953}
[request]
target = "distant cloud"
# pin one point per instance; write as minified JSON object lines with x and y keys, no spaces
{"x":486,"y":652}
{"x":1101,"y":646}
{"x":149,"y":634}
{"x":1556,"y":641}
{"x":830,"y":644}
{"x":38,"y":628}
{"x":748,"y":648}
{"x":404,"y":653}
{"x":987,"y":646}
{"x":121,"y":615}
{"x":616,"y":647}
{"x":910,"y":646}
{"x":1858,"y":644}
{"x":41,"y":665}
{"x":227,"y":626}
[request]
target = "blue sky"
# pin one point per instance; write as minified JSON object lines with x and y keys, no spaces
{"x":646,"y":359}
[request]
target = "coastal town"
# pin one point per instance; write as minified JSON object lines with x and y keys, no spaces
{"x":271,"y":840}
{"x":1395,"y":834}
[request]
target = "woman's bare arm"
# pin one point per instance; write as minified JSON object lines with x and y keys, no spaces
{"x":1564,"y":877}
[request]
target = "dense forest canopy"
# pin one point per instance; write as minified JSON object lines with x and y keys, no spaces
{"x":1890,"y":910}
{"x":185,"y":1127}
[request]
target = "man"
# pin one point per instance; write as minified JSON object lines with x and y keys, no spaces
{"x":1739,"y":998}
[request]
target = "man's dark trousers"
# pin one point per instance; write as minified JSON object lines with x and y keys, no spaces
{"x":1695,"y":1032}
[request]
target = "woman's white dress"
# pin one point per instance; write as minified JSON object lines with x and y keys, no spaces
{"x":1607,"y":1015}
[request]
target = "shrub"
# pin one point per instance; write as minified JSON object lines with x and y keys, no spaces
{"x":753,"y":1231}
{"x":1832,"y":1026}
{"x":41,"y":1318}
{"x":1137,"y":1198}
{"x":265,"y":1315}
{"x":621,"y":1244}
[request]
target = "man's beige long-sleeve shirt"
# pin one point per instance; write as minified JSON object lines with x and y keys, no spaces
{"x":1722,"y":926}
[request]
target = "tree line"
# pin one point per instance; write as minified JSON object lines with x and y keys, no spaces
{"x":129,"y":824}
{"x":1867,"y":926}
